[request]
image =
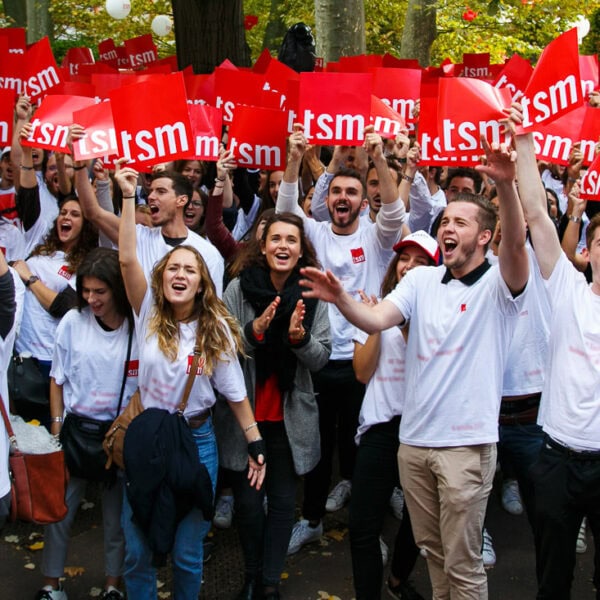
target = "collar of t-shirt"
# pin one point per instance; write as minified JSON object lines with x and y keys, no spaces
{"x":170,"y":241}
{"x":471,"y":277}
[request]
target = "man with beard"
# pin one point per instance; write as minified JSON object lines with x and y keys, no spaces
{"x":462,"y":315}
{"x":359,"y":254}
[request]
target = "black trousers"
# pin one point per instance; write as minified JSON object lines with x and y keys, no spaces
{"x":265,"y":539}
{"x":567,"y":488}
{"x":375,"y":476}
{"x":339,"y":397}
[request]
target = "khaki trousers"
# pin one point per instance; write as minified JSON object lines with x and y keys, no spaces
{"x":446,"y":491}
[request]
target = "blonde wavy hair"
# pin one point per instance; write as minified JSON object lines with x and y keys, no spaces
{"x":218,"y":331}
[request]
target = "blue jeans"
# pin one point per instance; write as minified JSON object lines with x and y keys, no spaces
{"x":521,"y":445}
{"x":187,"y":552}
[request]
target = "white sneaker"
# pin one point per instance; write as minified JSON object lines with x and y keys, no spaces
{"x":385,"y":551}
{"x":49,"y":593}
{"x":303,"y":534}
{"x":397,"y":503}
{"x":339,"y":495}
{"x":487,"y":550}
{"x":223,"y":512}
{"x":581,"y":545}
{"x":511,"y":497}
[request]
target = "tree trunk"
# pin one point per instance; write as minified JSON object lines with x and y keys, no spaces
{"x":420,"y":30}
{"x":209,"y":31}
{"x":340,"y":28}
{"x":17,"y":11}
{"x":39,"y":22}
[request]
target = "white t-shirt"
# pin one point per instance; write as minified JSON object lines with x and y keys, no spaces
{"x":359,"y":260}
{"x":162,"y":382}
{"x":151,"y":247}
{"x":528,"y":351}
{"x":457,"y":348}
{"x":48,"y":213}
{"x":12,"y":241}
{"x":384,"y":396}
{"x":571,"y":397}
{"x":89,"y":363}
{"x":6,"y":347}
{"x":38,"y":329}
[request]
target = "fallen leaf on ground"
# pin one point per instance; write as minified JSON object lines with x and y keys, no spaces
{"x":326,"y":553}
{"x":337,"y":534}
{"x":36,"y":546}
{"x":87,"y":505}
{"x":11,"y":539}
{"x":74,"y":571}
{"x":95,"y":592}
{"x":164,"y":594}
{"x":29,"y":566}
{"x":284,"y":575}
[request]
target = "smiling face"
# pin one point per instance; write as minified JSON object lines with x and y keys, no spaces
{"x":409,"y":258}
{"x":163,"y":201}
{"x":69,"y":224}
{"x":282,"y":248}
{"x":193,"y":212}
{"x":100,"y":299}
{"x":345,"y":201}
{"x":193,"y":171}
{"x":181,"y":281}
{"x":461,"y":238}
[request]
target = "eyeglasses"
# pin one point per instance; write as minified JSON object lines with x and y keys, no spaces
{"x":197,"y":204}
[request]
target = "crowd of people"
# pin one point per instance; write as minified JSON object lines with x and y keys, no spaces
{"x":421,"y":324}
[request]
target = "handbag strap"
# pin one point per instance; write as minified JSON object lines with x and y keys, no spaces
{"x":192,"y":373}
{"x":11,"y":434}
{"x":125,"y":369}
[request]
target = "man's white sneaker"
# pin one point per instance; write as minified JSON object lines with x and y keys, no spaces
{"x":487,"y":550}
{"x":303,"y":534}
{"x":49,"y":593}
{"x":223,"y":512}
{"x":511,"y":497}
{"x":385,"y":551}
{"x":339,"y":495}
{"x":581,"y":545}
{"x":397,"y":502}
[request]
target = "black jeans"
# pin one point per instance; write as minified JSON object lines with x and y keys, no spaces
{"x":375,"y":476}
{"x":339,"y":397}
{"x":265,"y":539}
{"x":567,"y":488}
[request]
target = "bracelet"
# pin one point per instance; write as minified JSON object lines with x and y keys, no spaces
{"x":247,"y":429}
{"x":572,"y":179}
{"x":574,"y":219}
{"x":219,"y":179}
{"x":26,"y":168}
{"x":128,"y":197}
{"x":79,"y":168}
{"x":56,"y":419}
{"x":407,"y":178}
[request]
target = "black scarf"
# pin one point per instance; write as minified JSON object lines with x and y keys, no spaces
{"x":275,"y":355}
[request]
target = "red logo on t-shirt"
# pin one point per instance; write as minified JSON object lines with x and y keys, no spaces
{"x":3,"y":250}
{"x":463,"y":307}
{"x":132,"y":368}
{"x":358,"y":255}
{"x":200,"y":368}
{"x":64,"y":272}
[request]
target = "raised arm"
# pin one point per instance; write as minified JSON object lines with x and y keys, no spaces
{"x":287,"y":199}
{"x":105,"y":221}
{"x":512,"y":255}
{"x":533,"y":199}
{"x":575,"y":210}
{"x":131,"y":269}
{"x":22,"y":116}
{"x":327,"y":287}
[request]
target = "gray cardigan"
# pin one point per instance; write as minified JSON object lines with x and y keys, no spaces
{"x":300,"y":412}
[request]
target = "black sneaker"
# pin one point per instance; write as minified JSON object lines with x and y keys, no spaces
{"x":403,"y":591}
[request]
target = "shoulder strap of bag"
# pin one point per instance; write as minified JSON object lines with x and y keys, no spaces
{"x":191,"y":375}
{"x":125,"y":369}
{"x":11,"y":434}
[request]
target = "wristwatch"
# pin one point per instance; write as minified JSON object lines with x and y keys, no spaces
{"x":574,"y":219}
{"x":31,"y":280}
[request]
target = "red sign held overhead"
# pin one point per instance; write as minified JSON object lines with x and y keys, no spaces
{"x":515,"y":76}
{"x":257,"y":137}
{"x":7,"y":107}
{"x":51,"y":122}
{"x":100,"y":140}
{"x":335,"y":108}
{"x":387,"y":122}
{"x":399,"y":89}
{"x":590,"y":184}
{"x":206,"y":129}
{"x":141,"y":51}
{"x":107,"y":53}
{"x":41,"y":72}
{"x":554,"y":88}
{"x":588,"y":71}
{"x":159,"y":133}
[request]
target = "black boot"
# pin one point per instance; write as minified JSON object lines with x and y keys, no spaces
{"x":252,"y":588}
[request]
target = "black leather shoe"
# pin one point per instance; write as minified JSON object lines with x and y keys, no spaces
{"x":251,"y":589}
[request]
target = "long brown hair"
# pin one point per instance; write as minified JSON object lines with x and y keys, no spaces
{"x":218,"y":332}
{"x":88,"y":239}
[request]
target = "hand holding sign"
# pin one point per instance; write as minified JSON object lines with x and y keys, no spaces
{"x":297,"y":143}
{"x":373,"y":143}
{"x":126,"y":177}
{"x":499,"y":162}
